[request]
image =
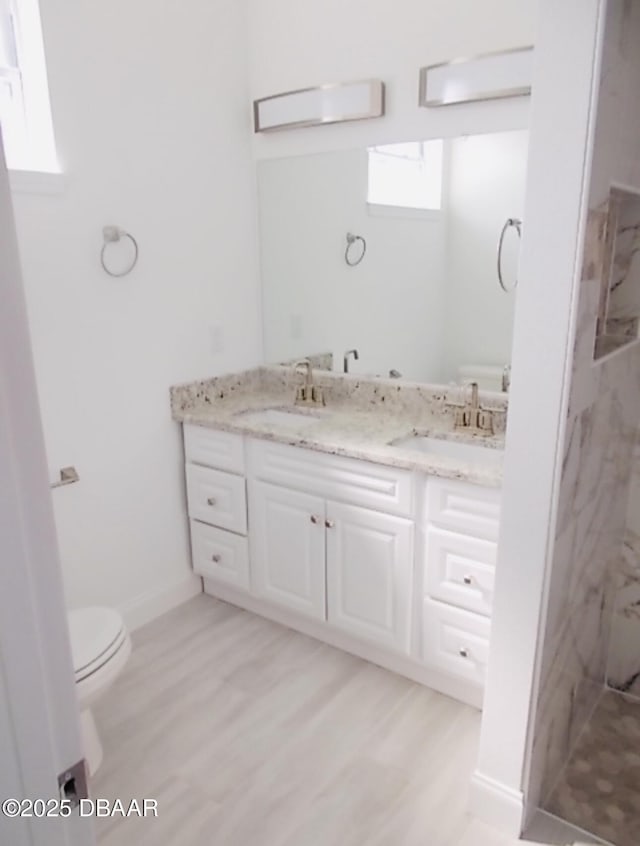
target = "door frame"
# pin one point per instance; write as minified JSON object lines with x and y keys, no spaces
{"x":40,"y":725}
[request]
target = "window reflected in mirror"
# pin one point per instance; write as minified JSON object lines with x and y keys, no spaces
{"x":406,"y":175}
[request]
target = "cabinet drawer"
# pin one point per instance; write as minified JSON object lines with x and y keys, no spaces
{"x":455,"y":641}
{"x":460,"y":570}
{"x":220,"y":450}
{"x":220,"y":555}
{"x":217,"y":498}
{"x":463,"y":507}
{"x":374,"y":486}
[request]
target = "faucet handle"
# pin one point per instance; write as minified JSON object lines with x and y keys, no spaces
{"x":317,"y":395}
{"x":485,"y":418}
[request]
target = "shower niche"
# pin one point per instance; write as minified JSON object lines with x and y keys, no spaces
{"x":618,"y":321}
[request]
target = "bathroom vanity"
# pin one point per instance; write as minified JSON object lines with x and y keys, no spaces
{"x":370,"y":523}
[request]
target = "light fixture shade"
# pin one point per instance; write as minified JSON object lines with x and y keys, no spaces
{"x":488,"y":77}
{"x":323,"y":104}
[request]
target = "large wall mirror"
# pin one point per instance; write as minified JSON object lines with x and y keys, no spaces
{"x":424,"y":302}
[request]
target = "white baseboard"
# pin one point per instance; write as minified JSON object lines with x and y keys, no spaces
{"x":156,"y":602}
{"x":496,"y":804}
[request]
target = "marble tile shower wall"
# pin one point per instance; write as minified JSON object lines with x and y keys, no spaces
{"x":603,"y":413}
{"x":588,"y":547}
{"x":624,"y":653}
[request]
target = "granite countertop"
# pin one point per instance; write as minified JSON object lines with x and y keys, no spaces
{"x":360,"y":420}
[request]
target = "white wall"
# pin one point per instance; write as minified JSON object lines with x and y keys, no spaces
{"x":550,"y":264}
{"x":150,"y":107}
{"x":486,"y":186}
{"x":389,"y":307}
{"x":294,"y":45}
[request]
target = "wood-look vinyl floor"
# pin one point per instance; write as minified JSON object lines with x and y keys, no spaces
{"x":250,"y":734}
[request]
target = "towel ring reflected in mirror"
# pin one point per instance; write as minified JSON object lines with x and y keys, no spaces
{"x":515,"y":223}
{"x":351,"y":240}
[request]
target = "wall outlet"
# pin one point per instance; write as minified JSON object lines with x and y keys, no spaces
{"x":216,"y":338}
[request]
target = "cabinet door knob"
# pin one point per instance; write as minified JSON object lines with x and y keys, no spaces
{"x":329,"y":524}
{"x":216,"y":558}
{"x":212,"y":500}
{"x":315,"y":520}
{"x":464,"y":652}
{"x":468,"y":580}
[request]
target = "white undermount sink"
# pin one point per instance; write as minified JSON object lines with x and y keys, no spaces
{"x":476,"y":453}
{"x":281,"y":417}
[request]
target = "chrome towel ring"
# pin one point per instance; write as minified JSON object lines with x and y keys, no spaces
{"x":517,"y":225}
{"x":111,"y":235}
{"x":351,"y":240}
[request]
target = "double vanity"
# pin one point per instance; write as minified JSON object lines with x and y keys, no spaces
{"x":370,"y":522}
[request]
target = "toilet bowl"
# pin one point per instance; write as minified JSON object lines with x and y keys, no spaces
{"x":101,"y":647}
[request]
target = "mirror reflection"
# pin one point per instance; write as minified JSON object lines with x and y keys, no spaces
{"x":386,"y":257}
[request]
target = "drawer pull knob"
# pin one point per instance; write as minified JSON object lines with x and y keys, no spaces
{"x":212,"y":500}
{"x":468,"y":580}
{"x":329,"y":524}
{"x":315,"y":520}
{"x":464,"y":652}
{"x":216,"y":558}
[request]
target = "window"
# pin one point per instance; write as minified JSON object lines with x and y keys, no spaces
{"x":25,"y":113}
{"x":406,"y":175}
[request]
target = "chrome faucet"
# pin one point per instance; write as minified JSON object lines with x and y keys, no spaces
{"x":471,"y":416}
{"x":308,"y":392}
{"x":345,"y":360}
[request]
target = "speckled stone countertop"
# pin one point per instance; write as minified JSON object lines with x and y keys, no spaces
{"x":361,"y":419}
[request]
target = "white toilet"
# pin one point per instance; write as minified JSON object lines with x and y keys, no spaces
{"x":101,"y":647}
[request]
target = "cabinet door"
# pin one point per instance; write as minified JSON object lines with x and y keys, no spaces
{"x":287,"y":541}
{"x":370,"y":575}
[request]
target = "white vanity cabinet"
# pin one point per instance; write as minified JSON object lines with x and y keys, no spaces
{"x":389,"y":563}
{"x":217,"y":505}
{"x":459,"y":530}
{"x":330,"y":560}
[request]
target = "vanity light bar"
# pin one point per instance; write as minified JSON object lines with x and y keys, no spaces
{"x":492,"y":76}
{"x":332,"y":103}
